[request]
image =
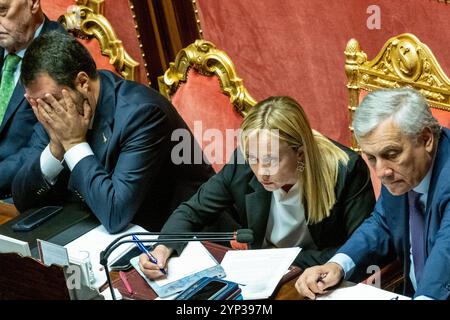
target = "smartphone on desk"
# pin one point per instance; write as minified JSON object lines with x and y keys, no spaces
{"x":211,"y":289}
{"x":36,"y":218}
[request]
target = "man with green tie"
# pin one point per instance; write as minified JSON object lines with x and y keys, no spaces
{"x":20,"y":22}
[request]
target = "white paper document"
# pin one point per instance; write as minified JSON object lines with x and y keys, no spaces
{"x":351,"y":291}
{"x":51,"y":253}
{"x":193,"y":263}
{"x":258,"y":271}
{"x":8,"y":244}
{"x":194,"y":258}
{"x":96,"y":241}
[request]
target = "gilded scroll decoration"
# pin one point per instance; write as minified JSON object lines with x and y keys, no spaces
{"x":85,"y":21}
{"x":206,"y":59}
{"x":403,"y":61}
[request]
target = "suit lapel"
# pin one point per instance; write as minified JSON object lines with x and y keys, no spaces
{"x":441,"y":159}
{"x":397,"y":214}
{"x":16,"y":98}
{"x":2,"y":53}
{"x":258,"y":206}
{"x":14,"y":103}
{"x":99,"y":139}
{"x":100,"y":135}
{"x":428,"y":211}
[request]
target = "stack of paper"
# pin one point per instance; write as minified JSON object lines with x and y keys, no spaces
{"x":350,"y":291}
{"x":8,"y":244}
{"x":258,"y":271}
{"x":193,"y":263}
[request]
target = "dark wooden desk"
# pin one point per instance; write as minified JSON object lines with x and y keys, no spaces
{"x":141,"y":290}
{"x":288,"y":291}
{"x":7,"y":212}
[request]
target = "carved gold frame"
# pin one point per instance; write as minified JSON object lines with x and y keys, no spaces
{"x":85,"y":19}
{"x":204,"y":57}
{"x":403,"y":61}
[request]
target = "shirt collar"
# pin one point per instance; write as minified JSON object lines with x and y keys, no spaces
{"x":290,"y":197}
{"x":424,"y":185}
{"x":21,"y":53}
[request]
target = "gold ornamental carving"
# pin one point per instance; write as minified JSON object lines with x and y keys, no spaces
{"x":205,"y":58}
{"x":403,"y":61}
{"x":85,"y":20}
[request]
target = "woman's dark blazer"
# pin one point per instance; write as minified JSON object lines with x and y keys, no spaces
{"x":236,"y":189}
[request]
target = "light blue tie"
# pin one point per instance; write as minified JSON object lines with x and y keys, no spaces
{"x":7,"y":84}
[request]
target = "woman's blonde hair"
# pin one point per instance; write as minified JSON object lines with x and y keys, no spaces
{"x":321,"y":156}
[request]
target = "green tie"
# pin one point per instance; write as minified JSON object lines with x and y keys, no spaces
{"x":7,"y":83}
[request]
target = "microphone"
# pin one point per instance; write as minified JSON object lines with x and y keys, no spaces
{"x":244,"y":236}
{"x":241,"y":235}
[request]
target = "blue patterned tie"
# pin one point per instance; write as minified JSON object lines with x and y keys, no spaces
{"x":417,"y":228}
{"x":7,"y":84}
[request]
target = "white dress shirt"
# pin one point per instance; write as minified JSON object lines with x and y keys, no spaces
{"x":51,"y":167}
{"x":286,"y":226}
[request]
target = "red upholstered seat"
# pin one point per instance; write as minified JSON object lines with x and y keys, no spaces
{"x":95,"y":32}
{"x":203,"y":106}
{"x":443,"y":116}
{"x":101,"y":61}
{"x":203,"y":86}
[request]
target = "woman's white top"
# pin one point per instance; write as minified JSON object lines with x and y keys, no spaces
{"x":286,"y":225}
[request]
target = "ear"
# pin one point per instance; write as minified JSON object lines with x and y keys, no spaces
{"x":82,"y":82}
{"x":427,"y":138}
{"x":35,"y":5}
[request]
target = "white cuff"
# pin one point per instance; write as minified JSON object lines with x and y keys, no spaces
{"x":50,"y":166}
{"x":76,"y":154}
{"x":423,"y":298}
{"x":345,"y":262}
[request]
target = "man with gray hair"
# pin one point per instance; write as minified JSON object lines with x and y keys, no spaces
{"x":21,"y":21}
{"x":410,"y":153}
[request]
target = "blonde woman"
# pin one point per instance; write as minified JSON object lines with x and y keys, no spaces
{"x":296,"y":188}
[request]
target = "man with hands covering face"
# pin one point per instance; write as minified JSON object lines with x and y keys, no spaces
{"x":101,"y":140}
{"x":66,"y":116}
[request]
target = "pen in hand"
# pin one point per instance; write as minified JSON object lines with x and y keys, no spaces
{"x":149,"y":255}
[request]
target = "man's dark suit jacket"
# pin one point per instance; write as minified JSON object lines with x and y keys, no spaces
{"x":130,"y":177}
{"x":386,"y":232}
{"x":17,"y":127}
{"x":237,"y":187}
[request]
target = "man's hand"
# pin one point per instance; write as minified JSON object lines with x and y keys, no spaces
{"x":69,"y":126}
{"x":42,"y":116}
{"x":151,"y":270}
{"x":316,"y":279}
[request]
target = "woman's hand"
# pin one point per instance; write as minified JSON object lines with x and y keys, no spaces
{"x":151,"y":270}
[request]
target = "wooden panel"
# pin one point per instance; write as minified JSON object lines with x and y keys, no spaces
{"x":164,"y":27}
{"x":27,"y":278}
